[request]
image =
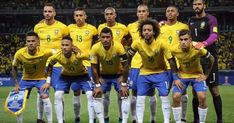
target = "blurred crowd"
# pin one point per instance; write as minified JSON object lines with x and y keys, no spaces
{"x":226,"y":50}
{"x":10,"y":43}
{"x":71,"y":4}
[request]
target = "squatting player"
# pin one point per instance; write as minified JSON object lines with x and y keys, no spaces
{"x":33,"y":59}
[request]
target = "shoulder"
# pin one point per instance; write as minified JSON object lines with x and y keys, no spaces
{"x":132,"y":24}
{"x":121,"y":25}
{"x":71,"y":25}
{"x":21,"y":51}
{"x":60,"y":23}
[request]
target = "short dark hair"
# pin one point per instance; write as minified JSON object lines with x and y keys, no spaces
{"x":32,"y":34}
{"x":49,"y":4}
{"x":106,"y":30}
{"x":151,"y":22}
{"x":67,"y":38}
{"x":184,"y":32}
{"x":172,"y":5}
{"x":203,"y":1}
{"x":79,"y":9}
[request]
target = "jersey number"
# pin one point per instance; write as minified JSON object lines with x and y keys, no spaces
{"x":79,"y":38}
{"x":48,"y":38}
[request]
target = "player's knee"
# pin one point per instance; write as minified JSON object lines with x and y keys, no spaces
{"x":214,"y":91}
{"x":76,"y":93}
{"x":176,"y":98}
{"x":202,"y":98}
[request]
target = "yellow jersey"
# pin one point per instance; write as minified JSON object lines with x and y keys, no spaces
{"x":33,"y":65}
{"x":133,"y":30}
{"x":51,"y":35}
{"x":118,"y":30}
{"x":171,"y":34}
{"x":189,"y":62}
{"x":110,"y":60}
{"x":152,"y":55}
{"x":72,"y":66}
{"x":83,"y":37}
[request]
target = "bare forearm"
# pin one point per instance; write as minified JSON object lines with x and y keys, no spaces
{"x":95,"y":73}
{"x":15,"y":75}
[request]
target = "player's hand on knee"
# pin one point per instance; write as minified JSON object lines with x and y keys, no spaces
{"x":124,"y":90}
{"x":201,"y":77}
{"x":97,"y":93}
{"x":46,"y":86}
{"x":179,"y":84}
{"x":101,"y":80}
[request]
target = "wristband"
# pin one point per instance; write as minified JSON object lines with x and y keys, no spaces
{"x":98,"y":85}
{"x":48,"y":79}
{"x":123,"y":84}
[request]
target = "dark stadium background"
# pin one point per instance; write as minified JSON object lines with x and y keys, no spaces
{"x":19,"y":16}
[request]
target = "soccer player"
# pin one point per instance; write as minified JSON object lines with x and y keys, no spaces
{"x":84,"y":36}
{"x":153,"y":72}
{"x":190,"y":73}
{"x":73,"y":75}
{"x":204,"y":31}
{"x":50,"y":32}
{"x":142,"y":14}
{"x":33,"y":61}
{"x":170,"y":30}
{"x":110,"y":67}
{"x":120,"y":34}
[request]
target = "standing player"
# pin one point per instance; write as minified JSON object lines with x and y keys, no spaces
{"x":153,"y":72}
{"x":142,"y":14}
{"x":170,"y":30}
{"x":33,"y":60}
{"x":120,"y":34}
{"x":84,"y":36}
{"x":190,"y":72}
{"x":50,"y":32}
{"x":110,"y":67}
{"x":73,"y":75}
{"x":203,"y":28}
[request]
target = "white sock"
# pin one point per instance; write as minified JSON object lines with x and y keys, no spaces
{"x":106,"y":103}
{"x":89,"y":95}
{"x":19,"y":118}
{"x":39,"y":107}
{"x":76,"y":106}
{"x":133,"y":107}
{"x":177,"y":114}
{"x":202,"y":114}
{"x":58,"y":105}
{"x":120,"y":107}
{"x":48,"y":109}
{"x":125,"y":109}
{"x":166,"y":108}
{"x":184,"y":104}
{"x":153,"y":107}
{"x":99,"y":109}
{"x":140,"y":108}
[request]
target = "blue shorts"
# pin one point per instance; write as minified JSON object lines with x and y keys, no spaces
{"x":55,"y":76}
{"x":170,"y":78}
{"x":146,"y":83}
{"x":133,"y":76}
{"x":29,"y":84}
{"x":110,"y":80}
{"x":197,"y":86}
{"x":75,"y":82}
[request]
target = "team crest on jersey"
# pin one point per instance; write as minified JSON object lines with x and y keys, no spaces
{"x":56,"y":32}
{"x":177,"y":31}
{"x":87,"y":32}
{"x":202,"y":26}
{"x":117,"y":32}
{"x":76,"y":63}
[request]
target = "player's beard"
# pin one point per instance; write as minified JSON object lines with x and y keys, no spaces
{"x":198,"y":11}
